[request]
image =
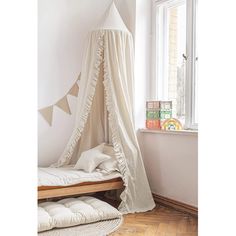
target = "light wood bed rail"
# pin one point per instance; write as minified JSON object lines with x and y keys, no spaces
{"x":88,"y":187}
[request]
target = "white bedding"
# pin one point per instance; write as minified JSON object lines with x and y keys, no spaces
{"x":65,"y":176}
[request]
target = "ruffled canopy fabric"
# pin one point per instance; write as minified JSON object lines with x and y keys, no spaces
{"x":105,"y":109}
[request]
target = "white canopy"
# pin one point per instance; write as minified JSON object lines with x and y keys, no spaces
{"x":104,"y":110}
{"x":112,"y":20}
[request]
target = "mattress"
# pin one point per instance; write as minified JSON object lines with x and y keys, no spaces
{"x":65,"y":176}
{"x":74,"y":211}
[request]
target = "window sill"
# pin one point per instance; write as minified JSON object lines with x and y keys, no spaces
{"x":172,"y":132}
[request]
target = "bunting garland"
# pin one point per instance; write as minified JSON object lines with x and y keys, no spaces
{"x":47,"y":112}
{"x":64,"y":105}
{"x":74,"y":90}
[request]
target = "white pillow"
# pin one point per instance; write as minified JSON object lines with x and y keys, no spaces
{"x":91,"y":158}
{"x":110,"y":165}
{"x":109,"y":150}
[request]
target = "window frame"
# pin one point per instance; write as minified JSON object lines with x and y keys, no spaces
{"x":157,"y":86}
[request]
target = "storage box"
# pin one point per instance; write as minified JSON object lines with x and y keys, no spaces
{"x":166,"y":105}
{"x":165,"y":114}
{"x":153,"y":115}
{"x":152,"y":105}
{"x":153,"y":124}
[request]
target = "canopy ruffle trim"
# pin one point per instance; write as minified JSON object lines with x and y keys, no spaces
{"x":66,"y":157}
{"x":113,"y":124}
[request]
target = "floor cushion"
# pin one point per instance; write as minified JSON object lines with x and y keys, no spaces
{"x":74,"y":211}
{"x":101,"y":228}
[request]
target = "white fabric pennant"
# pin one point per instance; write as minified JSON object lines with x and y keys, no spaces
{"x":64,"y":105}
{"x":47,"y":114}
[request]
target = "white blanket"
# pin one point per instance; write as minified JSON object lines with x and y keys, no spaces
{"x":74,"y":211}
{"x":65,"y":176}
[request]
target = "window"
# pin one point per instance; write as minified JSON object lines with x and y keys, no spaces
{"x":174,"y":58}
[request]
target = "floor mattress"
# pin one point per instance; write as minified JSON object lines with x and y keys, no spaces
{"x":74,"y":211}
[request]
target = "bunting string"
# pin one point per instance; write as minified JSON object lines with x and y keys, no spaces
{"x":62,"y":103}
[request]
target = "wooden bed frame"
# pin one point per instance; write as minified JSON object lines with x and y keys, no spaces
{"x":87,"y":187}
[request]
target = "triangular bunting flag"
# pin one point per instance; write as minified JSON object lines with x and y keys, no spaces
{"x":78,"y":77}
{"x":64,"y":105}
{"x":74,"y":90}
{"x":47,"y":114}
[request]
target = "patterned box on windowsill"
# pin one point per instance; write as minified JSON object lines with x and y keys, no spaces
{"x":157,"y":112}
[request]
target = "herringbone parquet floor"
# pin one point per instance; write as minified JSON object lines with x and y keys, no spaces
{"x":161,"y":221}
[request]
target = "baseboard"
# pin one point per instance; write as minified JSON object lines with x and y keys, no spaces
{"x":175,"y":204}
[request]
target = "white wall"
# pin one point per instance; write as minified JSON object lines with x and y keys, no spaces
{"x":62,"y":29}
{"x":171,"y":162}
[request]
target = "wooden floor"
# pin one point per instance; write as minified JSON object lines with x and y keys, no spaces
{"x":161,"y":221}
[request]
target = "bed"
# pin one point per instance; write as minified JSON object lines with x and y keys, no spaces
{"x":66,"y":181}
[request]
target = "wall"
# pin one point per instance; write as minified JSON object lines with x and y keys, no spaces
{"x":171,"y":162}
{"x":62,"y":29}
